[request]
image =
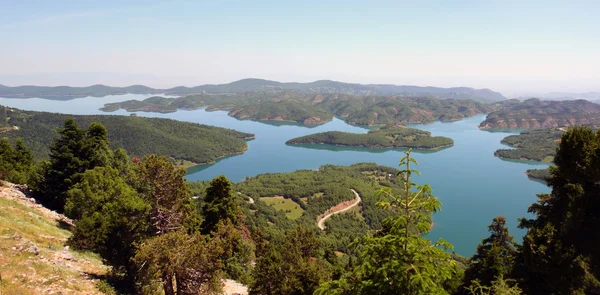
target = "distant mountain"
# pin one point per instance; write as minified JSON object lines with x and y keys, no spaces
{"x":67,"y":92}
{"x":330,"y":87}
{"x":591,"y":96}
{"x":258,"y":85}
{"x":536,"y":113}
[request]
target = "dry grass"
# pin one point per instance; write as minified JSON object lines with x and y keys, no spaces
{"x":53,"y":270}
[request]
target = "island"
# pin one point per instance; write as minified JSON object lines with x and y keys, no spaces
{"x":383,"y":138}
{"x":184,"y":142}
{"x":534,"y":145}
{"x":536,"y":113}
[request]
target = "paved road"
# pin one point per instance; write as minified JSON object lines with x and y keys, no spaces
{"x":322,"y":221}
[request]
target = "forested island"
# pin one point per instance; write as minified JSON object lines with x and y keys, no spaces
{"x":535,"y":145}
{"x":185,"y":141}
{"x":314,"y":109}
{"x":536,"y":113}
{"x":382,"y":138}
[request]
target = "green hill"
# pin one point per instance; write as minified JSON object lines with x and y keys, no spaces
{"x":139,"y":136}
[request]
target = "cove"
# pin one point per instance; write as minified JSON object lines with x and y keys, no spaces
{"x":473,"y":185}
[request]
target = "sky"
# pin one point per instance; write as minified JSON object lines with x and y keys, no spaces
{"x":514,"y":47}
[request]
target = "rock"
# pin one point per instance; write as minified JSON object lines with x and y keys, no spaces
{"x":33,"y":249}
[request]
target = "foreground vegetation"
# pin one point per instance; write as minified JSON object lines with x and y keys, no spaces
{"x":314,"y":109}
{"x":140,"y":217}
{"x":387,"y":137}
{"x":139,"y":136}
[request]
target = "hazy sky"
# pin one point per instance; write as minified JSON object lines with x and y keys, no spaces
{"x":509,"y":46}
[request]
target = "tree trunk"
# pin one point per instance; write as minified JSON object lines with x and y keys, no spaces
{"x":168,"y":284}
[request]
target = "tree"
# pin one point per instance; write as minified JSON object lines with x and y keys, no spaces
{"x":561,"y":250}
{"x":164,"y":187}
{"x":495,"y":256}
{"x":7,"y":158}
{"x":220,"y":204}
{"x":184,"y":264}
{"x":96,"y":151}
{"x":290,"y":267}
{"x":399,"y":260}
{"x":110,"y":218}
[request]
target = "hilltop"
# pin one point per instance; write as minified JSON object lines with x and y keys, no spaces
{"x":257,"y":85}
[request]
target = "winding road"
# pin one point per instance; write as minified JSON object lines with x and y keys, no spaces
{"x":322,"y":220}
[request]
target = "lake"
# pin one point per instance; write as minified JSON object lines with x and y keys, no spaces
{"x":473,"y":185}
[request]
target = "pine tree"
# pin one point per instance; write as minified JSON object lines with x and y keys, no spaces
{"x":7,"y":158}
{"x":110,"y":217}
{"x":292,"y":266}
{"x":561,"y":250}
{"x":220,"y":204}
{"x":399,"y":260}
{"x":164,"y":187}
{"x":495,"y":256}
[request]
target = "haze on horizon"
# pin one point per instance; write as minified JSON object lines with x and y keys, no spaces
{"x":515,"y":47}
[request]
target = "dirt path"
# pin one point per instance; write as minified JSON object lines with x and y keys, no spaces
{"x":321,"y":222}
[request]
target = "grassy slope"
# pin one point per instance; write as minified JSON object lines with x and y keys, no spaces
{"x":292,"y":209}
{"x":54,"y":269}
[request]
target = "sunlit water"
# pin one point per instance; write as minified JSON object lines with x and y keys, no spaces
{"x":473,"y":185}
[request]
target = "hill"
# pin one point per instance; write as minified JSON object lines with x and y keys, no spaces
{"x":388,"y":137}
{"x":536,"y":113}
{"x":311,"y":109}
{"x":34,"y":258}
{"x":139,"y":136}
{"x":258,"y":85}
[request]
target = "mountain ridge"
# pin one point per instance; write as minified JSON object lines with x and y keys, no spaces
{"x":254,"y":85}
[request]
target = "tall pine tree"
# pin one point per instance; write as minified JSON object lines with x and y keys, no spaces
{"x":561,"y":250}
{"x":495,"y":256}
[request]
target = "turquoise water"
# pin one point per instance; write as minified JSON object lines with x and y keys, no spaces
{"x":473,"y":185}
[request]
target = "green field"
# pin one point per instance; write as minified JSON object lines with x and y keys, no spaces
{"x":292,"y":209}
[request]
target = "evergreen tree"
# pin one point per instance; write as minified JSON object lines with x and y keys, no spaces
{"x":96,"y":151}
{"x":110,"y":218}
{"x":561,"y":250}
{"x":164,"y":187}
{"x":66,"y":165}
{"x":399,"y":260}
{"x":220,"y":204}
{"x":293,"y":266}
{"x":7,"y":158}
{"x":495,"y":256}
